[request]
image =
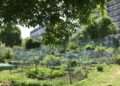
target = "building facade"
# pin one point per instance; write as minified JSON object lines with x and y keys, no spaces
{"x":37,"y":32}
{"x":113,"y":8}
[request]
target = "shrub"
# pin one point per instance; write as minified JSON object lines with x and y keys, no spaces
{"x":10,"y":35}
{"x":81,"y":73}
{"x":9,"y":54}
{"x":72,"y":63}
{"x":72,"y":46}
{"x":41,"y":73}
{"x":6,"y":53}
{"x":29,"y":44}
{"x":89,"y":47}
{"x":45,"y":73}
{"x":100,"y":68}
{"x":100,"y":49}
{"x":117,"y":59}
{"x":57,"y":73}
{"x":100,"y":28}
{"x":51,"y":60}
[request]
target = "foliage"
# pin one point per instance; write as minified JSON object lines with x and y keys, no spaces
{"x":30,"y":44}
{"x":72,"y":46}
{"x":45,"y":73}
{"x":38,"y":83}
{"x":72,"y":63}
{"x":89,"y":47}
{"x":100,"y":49}
{"x":57,"y":34}
{"x":10,"y":35}
{"x":29,"y":83}
{"x":116,"y":59}
{"x":100,"y":28}
{"x":19,"y":79}
{"x":38,"y":11}
{"x":49,"y":13}
{"x":81,"y":73}
{"x":6,"y":53}
{"x":51,"y":60}
{"x":100,"y":68}
{"x":98,"y":78}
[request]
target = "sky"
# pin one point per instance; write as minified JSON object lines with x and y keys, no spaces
{"x":25,"y":32}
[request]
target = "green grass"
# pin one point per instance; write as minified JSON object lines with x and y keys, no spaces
{"x":10,"y":75}
{"x":110,"y":77}
{"x":20,"y":77}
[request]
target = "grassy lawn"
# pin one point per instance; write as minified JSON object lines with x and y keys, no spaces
{"x":110,"y":77}
{"x":12,"y":75}
{"x":21,"y":77}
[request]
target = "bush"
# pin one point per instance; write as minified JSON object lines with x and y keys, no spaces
{"x":117,"y":60}
{"x":81,"y":73}
{"x":6,"y":53}
{"x":10,"y":35}
{"x":45,"y":73}
{"x":100,"y":49}
{"x":29,"y":44}
{"x":51,"y":60}
{"x":100,"y":28}
{"x":41,"y":73}
{"x":72,"y":63}
{"x":58,"y":73}
{"x":100,"y":68}
{"x":72,"y":46}
{"x":89,"y":47}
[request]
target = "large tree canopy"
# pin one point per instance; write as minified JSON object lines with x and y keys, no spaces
{"x":49,"y":13}
{"x":100,"y":28}
{"x":33,"y":12}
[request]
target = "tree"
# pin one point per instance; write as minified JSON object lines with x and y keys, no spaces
{"x":36,"y":12}
{"x":48,"y":13}
{"x":100,"y":28}
{"x":10,"y":35}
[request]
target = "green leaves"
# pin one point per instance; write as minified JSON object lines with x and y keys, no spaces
{"x":48,"y":13}
{"x":33,"y":12}
{"x":10,"y":35}
{"x":6,"y":53}
{"x":100,"y":28}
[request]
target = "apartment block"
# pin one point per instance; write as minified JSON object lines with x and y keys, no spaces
{"x":113,"y":8}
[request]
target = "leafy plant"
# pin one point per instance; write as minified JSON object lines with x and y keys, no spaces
{"x":72,"y":46}
{"x":100,"y":68}
{"x":100,"y":48}
{"x":100,"y":28}
{"x":51,"y":60}
{"x":45,"y":73}
{"x":10,"y":35}
{"x":89,"y":47}
{"x":116,"y":59}
{"x":30,"y":44}
{"x":6,"y":53}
